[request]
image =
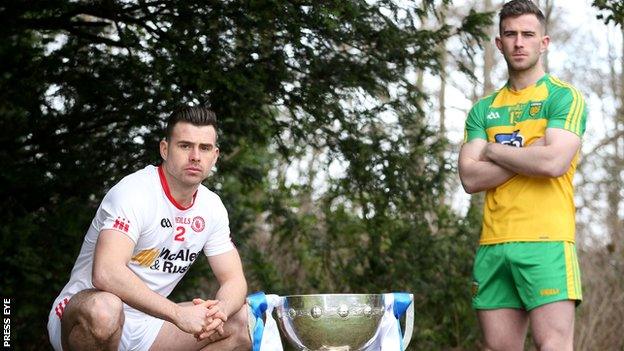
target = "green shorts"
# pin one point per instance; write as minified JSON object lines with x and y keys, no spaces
{"x":525,"y":275}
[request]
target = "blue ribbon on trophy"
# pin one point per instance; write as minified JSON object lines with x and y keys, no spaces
{"x":264,"y":335}
{"x":390,"y":337}
{"x":386,"y":337}
{"x":401,"y":303}
{"x":258,"y":306}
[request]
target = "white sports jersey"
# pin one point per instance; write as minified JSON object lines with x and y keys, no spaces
{"x":168,"y":237}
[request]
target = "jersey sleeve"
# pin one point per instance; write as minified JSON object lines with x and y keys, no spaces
{"x":219,"y":240}
{"x":120,"y":210}
{"x":567,"y":110}
{"x":475,"y":124}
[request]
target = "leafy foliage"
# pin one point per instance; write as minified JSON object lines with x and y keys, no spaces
{"x":614,"y":11}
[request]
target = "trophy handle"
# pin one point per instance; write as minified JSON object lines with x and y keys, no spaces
{"x":409,"y":323}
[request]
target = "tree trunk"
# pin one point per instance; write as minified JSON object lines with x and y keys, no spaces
{"x":616,"y":164}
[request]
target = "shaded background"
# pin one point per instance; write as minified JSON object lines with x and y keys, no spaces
{"x":334,"y":175}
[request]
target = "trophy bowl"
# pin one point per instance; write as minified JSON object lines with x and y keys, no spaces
{"x":334,"y":322}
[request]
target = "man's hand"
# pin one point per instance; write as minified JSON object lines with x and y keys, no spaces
{"x":193,"y":319}
{"x":215,"y":319}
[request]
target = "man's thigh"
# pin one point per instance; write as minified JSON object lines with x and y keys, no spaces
{"x":553,"y":324}
{"x":170,"y":337}
{"x":504,"y":328}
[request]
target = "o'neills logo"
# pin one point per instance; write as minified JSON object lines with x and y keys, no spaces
{"x":198,"y":224}
{"x":182,"y":220}
{"x":174,"y":262}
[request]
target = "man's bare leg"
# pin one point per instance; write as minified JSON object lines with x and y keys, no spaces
{"x":503,"y":329}
{"x":92,"y":320}
{"x":552,"y":326}
{"x":235,"y":337}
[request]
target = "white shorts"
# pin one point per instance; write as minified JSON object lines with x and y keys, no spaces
{"x":139,"y":331}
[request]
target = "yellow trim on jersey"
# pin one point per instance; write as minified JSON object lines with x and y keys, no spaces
{"x":577,"y":126}
{"x":575,"y":112}
{"x":508,"y":97}
{"x":573,"y":119}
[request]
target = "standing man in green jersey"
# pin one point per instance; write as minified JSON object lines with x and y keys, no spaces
{"x":521,"y":146}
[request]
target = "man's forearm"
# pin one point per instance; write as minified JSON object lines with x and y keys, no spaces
{"x":122,"y":282}
{"x":536,"y":161}
{"x":479,"y":175}
{"x":231,"y":295}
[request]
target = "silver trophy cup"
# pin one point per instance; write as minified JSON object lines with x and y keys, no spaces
{"x":332,"y":322}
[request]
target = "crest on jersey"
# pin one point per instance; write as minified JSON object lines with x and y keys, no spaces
{"x":198,"y":224}
{"x":475,"y":289}
{"x":535,"y":108}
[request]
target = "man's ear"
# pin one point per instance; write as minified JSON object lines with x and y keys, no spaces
{"x":216,"y":157}
{"x":499,"y":44}
{"x":164,"y":147}
{"x":544,"y":44}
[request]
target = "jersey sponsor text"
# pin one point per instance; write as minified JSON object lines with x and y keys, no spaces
{"x":173,"y":262}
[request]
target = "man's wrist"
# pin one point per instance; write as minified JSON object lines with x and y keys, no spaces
{"x":176,"y":314}
{"x":224,"y":307}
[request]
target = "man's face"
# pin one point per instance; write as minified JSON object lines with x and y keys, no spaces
{"x":522,"y":42}
{"x":190,"y":153}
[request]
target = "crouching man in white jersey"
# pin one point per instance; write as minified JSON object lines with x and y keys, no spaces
{"x":147,"y":232}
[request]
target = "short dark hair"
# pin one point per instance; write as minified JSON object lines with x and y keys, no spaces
{"x":195,"y":115}
{"x":515,"y":8}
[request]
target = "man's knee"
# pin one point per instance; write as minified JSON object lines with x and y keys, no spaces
{"x":105,"y":315}
{"x":502,"y":345}
{"x":99,"y":314}
{"x":554,"y":343}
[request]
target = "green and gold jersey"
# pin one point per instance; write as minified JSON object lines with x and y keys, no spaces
{"x":528,"y":208}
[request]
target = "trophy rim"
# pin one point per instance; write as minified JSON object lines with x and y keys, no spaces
{"x":330,"y":294}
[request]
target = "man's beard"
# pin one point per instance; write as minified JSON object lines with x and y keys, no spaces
{"x":521,"y":67}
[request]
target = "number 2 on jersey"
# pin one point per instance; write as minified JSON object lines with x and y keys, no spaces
{"x":180,"y":235}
